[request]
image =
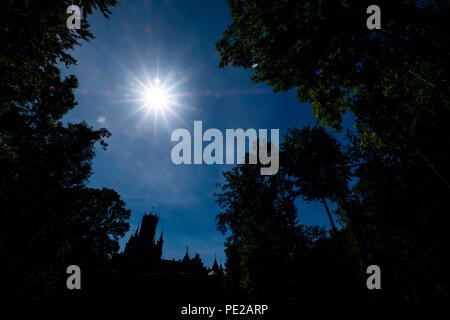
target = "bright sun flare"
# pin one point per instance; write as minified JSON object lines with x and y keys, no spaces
{"x":157,"y":97}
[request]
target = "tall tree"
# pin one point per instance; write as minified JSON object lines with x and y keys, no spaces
{"x":44,"y":164}
{"x":318,"y":165}
{"x":99,"y":221}
{"x":260,"y":215}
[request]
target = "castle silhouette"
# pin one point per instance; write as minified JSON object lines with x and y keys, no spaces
{"x":144,"y":252}
{"x":140,"y":272}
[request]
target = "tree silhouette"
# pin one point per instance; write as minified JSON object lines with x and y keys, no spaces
{"x":260,"y":214}
{"x":44,"y":164}
{"x":99,"y":221}
{"x":394,"y":82}
{"x":315,"y":160}
{"x":391,"y":80}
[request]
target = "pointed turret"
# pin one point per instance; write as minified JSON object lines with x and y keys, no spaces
{"x":159,"y":246}
{"x":186,"y":256}
{"x":215,"y":267}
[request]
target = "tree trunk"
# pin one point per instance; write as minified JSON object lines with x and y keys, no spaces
{"x":329,"y":215}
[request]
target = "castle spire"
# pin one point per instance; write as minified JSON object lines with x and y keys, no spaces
{"x":215,"y":266}
{"x":186,"y":256}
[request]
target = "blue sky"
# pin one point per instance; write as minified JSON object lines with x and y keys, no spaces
{"x":172,"y":39}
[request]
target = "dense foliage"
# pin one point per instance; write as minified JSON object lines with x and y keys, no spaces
{"x":390,"y":180}
{"x":47,"y":213}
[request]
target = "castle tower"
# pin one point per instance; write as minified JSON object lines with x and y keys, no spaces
{"x":143,"y":240}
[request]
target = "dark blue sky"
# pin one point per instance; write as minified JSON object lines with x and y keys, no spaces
{"x":177,"y":38}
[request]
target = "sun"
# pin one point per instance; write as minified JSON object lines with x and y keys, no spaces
{"x":156,"y":97}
